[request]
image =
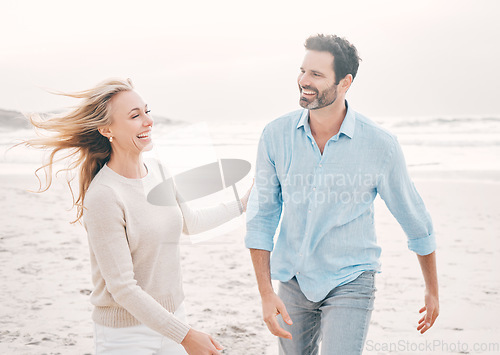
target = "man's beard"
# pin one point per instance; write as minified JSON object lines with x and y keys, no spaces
{"x":326,"y":98}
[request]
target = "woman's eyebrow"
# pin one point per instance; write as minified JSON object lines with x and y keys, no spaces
{"x":137,"y":108}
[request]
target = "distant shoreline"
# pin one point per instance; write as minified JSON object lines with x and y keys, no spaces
{"x":11,"y":119}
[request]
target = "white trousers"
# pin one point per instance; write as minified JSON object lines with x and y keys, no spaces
{"x":136,"y":340}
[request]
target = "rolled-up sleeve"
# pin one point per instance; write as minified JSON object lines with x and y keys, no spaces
{"x":401,"y":197}
{"x":265,"y":201}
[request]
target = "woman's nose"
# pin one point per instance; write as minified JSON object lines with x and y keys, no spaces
{"x":148,"y":121}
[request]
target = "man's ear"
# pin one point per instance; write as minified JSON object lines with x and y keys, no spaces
{"x":345,"y":83}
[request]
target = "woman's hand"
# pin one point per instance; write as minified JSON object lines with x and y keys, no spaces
{"x":199,"y":343}
{"x":244,"y":199}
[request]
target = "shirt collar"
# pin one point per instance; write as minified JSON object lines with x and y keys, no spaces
{"x":304,"y":121}
{"x":347,"y":127}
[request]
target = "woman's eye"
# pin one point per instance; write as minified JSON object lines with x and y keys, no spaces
{"x":147,"y":112}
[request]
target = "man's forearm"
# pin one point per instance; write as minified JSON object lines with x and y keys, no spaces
{"x":271,"y":303}
{"x":429,"y":271}
{"x":261,"y":264}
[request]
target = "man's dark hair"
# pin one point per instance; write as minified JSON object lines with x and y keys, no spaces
{"x":346,"y":59}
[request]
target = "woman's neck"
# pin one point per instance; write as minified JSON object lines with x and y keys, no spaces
{"x":131,"y":167}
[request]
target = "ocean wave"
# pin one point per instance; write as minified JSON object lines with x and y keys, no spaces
{"x":437,"y":121}
{"x":449,"y":143}
{"x":12,"y":120}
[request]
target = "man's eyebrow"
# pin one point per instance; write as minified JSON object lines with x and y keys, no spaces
{"x":314,"y":71}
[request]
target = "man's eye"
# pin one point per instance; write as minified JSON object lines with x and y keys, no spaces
{"x":148,"y":111}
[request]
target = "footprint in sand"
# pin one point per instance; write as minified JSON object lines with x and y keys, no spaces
{"x":29,"y":269}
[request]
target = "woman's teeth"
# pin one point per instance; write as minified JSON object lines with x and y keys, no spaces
{"x":144,"y":135}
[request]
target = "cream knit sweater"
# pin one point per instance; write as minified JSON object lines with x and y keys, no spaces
{"x":134,"y":249}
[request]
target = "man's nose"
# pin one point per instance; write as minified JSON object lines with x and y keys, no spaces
{"x":304,"y":80}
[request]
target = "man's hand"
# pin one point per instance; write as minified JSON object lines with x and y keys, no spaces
{"x":429,"y":270}
{"x":198,"y":343}
{"x":432,"y":311}
{"x":272,"y":306}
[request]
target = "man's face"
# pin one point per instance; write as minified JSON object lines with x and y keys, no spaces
{"x":317,"y":80}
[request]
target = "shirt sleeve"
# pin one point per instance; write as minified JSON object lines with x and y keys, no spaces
{"x":401,"y":197}
{"x":265,"y":202}
{"x":104,"y":220}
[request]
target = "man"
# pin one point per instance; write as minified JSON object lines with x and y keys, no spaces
{"x":321,"y":168}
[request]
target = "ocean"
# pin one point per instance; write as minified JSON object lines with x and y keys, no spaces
{"x":434,"y":147}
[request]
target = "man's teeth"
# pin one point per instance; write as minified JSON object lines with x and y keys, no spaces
{"x":308,"y":92}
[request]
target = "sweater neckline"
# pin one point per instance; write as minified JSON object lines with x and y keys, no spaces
{"x":127,"y":180}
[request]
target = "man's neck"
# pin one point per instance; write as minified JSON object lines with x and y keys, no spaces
{"x":327,"y":120}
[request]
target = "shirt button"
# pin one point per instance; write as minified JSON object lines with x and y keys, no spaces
{"x":309,"y":211}
{"x":320,"y":165}
{"x":314,"y":189}
{"x":297,"y":273}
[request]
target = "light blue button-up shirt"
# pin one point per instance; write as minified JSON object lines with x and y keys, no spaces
{"x":327,"y":234}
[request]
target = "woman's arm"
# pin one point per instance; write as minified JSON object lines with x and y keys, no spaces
{"x":200,"y":220}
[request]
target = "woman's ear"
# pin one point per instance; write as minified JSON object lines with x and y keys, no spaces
{"x":105,"y":131}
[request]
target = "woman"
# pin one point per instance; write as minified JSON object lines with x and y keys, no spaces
{"x":134,"y":249}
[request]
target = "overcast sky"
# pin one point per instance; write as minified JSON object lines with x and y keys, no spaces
{"x":234,"y":60}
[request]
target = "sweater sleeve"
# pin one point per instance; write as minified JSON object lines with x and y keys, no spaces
{"x":104,"y":221}
{"x":201,"y":220}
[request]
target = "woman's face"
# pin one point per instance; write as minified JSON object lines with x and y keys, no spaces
{"x":131,"y":123}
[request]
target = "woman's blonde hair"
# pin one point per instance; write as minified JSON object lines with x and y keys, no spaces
{"x":76,"y":132}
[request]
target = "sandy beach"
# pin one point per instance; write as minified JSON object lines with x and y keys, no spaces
{"x":45,"y":276}
{"x":212,"y":75}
